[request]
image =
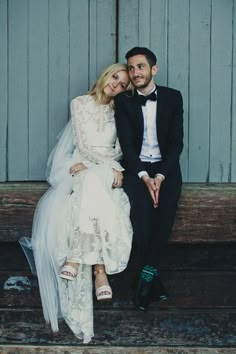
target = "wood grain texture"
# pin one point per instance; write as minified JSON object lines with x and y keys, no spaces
{"x":221,"y":88}
{"x":178,"y":64}
{"x":52,"y":51}
{"x":206,"y":213}
{"x":79,"y":48}
{"x":128,"y":328}
{"x":58,"y":61}
{"x":187,"y":289}
{"x":18,"y":130}
{"x":3,"y":90}
{"x":101,"y":349}
{"x":199,"y":90}
{"x":178,"y":257}
{"x":38,"y":89}
{"x":233,"y":171}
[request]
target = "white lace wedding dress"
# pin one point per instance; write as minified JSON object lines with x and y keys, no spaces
{"x":81,"y":218}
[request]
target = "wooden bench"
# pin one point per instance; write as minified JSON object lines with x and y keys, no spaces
{"x":199,"y":272}
{"x":206,"y":214}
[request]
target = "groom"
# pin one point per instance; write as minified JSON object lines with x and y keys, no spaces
{"x":150,"y":129}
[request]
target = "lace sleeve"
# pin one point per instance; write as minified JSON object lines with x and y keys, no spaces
{"x":110,"y":158}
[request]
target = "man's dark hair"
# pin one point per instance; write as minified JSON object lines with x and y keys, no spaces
{"x":150,"y":56}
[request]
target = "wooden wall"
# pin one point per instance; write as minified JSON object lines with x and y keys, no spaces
{"x":52,"y":50}
{"x":195,"y":42}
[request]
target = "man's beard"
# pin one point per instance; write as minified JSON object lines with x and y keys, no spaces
{"x":147,"y":80}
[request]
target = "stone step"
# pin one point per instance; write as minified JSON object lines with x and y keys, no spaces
{"x":44,"y":349}
{"x":165,"y":328}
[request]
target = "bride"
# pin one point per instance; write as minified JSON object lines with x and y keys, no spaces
{"x":83,"y":219}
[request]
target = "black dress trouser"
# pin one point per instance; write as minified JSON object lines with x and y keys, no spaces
{"x":152,"y":227}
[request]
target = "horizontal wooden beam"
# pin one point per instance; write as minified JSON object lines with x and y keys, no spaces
{"x":187,"y":289}
{"x":206,"y":213}
{"x":198,"y":329}
{"x":80,"y":349}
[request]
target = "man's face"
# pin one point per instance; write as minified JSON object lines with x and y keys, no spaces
{"x":140,"y":72}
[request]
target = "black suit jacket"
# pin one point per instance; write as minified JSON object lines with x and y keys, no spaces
{"x":169,"y":124}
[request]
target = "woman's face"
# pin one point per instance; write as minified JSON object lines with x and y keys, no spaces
{"x":118,"y":83}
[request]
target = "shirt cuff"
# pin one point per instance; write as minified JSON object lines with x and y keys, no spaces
{"x":142,"y":173}
{"x":160,"y":174}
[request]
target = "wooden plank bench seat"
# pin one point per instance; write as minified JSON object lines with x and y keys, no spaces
{"x":206,"y":213}
{"x":198,"y":272}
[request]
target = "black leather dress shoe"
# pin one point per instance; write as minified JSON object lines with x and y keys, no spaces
{"x":142,"y":296}
{"x":158,"y":292}
{"x":149,"y":291}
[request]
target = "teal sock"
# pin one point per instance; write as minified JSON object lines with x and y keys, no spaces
{"x":148,"y":273}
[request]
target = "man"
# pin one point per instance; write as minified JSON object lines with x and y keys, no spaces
{"x":150,"y":129}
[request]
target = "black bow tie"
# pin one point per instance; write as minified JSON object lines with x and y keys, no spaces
{"x":143,"y":99}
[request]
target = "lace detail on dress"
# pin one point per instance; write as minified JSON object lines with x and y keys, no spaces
{"x":90,"y":224}
{"x":86,"y":115}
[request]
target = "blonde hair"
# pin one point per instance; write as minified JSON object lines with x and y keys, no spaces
{"x":97,"y":89}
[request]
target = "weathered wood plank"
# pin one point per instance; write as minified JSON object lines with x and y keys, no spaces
{"x":38,"y":93}
{"x":128,"y":27}
{"x":3,"y":89}
{"x":102,"y":46}
{"x":45,"y":349}
{"x":187,"y":289}
{"x":128,"y":328}
{"x":159,"y":37}
{"x":221,"y":72}
{"x":79,"y":44}
{"x":233,"y":157}
{"x":178,"y":63}
{"x":58,"y":112}
{"x":18,"y":90}
{"x":178,"y":257}
{"x":206,"y":213}
{"x":17,"y":205}
{"x":199,"y":90}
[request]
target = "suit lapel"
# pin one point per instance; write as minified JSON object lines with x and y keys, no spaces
{"x":139,"y":112}
{"x":159,"y":112}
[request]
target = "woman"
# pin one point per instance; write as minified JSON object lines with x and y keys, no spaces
{"x":83,"y":219}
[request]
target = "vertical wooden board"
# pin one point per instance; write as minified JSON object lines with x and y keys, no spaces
{"x":221,"y":61}
{"x":106,"y":34}
{"x":144,"y":21}
{"x":38,"y":88}
{"x":128,"y":27}
{"x":102,"y":36}
{"x":3,"y":89}
{"x":199,"y":90}
{"x":158,"y":39}
{"x":92,"y":41}
{"x":178,"y":63}
{"x":18,"y":90}
{"x":79,"y":44}
{"x":233,"y":157}
{"x":58,"y":67}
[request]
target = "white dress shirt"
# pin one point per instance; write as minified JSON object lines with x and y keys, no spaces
{"x":150,"y":151}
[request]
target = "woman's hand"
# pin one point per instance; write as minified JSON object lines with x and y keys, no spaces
{"x":118,"y":179}
{"x":77,"y":168}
